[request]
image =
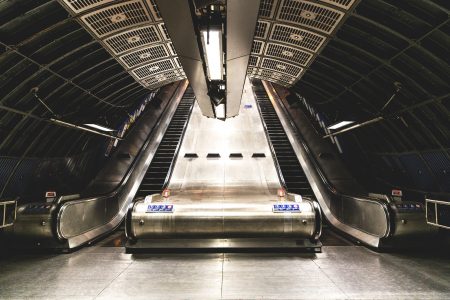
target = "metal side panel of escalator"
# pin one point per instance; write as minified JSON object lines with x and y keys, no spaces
{"x":71,"y":221}
{"x":376,"y":222}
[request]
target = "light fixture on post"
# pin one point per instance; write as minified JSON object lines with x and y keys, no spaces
{"x":100,"y":127}
{"x":340,"y":125}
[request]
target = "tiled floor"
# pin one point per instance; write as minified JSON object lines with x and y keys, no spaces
{"x":339,"y":272}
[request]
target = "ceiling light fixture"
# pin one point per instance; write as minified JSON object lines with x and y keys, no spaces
{"x":212,"y":43}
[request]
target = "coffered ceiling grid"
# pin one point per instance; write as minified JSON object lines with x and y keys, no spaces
{"x":134,"y":34}
{"x":290,"y":34}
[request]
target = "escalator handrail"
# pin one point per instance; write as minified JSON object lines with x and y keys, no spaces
{"x":269,"y":141}
{"x":326,"y":182}
{"x":62,"y":206}
{"x":180,"y":142}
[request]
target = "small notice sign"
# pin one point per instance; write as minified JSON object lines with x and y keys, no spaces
{"x":288,"y":207}
{"x":160,"y":208}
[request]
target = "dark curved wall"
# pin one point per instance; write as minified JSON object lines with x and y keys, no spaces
{"x":383,"y":42}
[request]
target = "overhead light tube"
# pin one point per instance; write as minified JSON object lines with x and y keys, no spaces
{"x":100,"y":127}
{"x":212,"y":43}
{"x":340,"y":125}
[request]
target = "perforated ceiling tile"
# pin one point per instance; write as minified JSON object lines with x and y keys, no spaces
{"x":276,"y":76}
{"x":281,"y":67}
{"x":163,"y":31}
{"x":272,"y":79}
{"x":155,"y":11}
{"x":171,"y":48}
{"x":288,"y":53}
{"x":78,"y":6}
{"x":164,"y":76}
{"x":154,"y":68}
{"x":267,"y":8}
{"x":145,"y":55}
{"x":251,"y":71}
{"x":253,"y":61}
{"x":346,"y":4}
{"x":308,"y":14}
{"x":298,"y":37}
{"x":262,"y":28}
{"x":257,"y":47}
{"x":116,"y":17}
{"x":133,"y":39}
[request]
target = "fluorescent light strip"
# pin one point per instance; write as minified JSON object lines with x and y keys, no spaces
{"x":220,"y":111}
{"x":213,"y":51}
{"x":340,"y":125}
{"x":99,"y":127}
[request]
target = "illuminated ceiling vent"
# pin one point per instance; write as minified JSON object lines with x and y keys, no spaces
{"x":297,"y":37}
{"x":262,"y":28}
{"x":164,"y":76}
{"x":116,"y":17}
{"x":276,"y":76}
{"x":291,"y":54}
{"x":251,"y":71}
{"x":308,"y":14}
{"x":145,"y":55}
{"x":78,"y":6}
{"x":267,"y":8}
{"x":257,"y":47}
{"x":281,"y":67}
{"x":133,"y":39}
{"x":345,"y":4}
{"x":154,"y":68}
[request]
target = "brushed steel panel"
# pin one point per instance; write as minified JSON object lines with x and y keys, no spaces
{"x":241,"y":22}
{"x":178,"y":23}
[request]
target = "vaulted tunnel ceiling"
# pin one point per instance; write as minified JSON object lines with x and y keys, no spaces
{"x":381,"y":42}
{"x":42,"y":46}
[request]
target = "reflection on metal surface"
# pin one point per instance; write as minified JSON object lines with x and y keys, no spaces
{"x":219,"y":197}
{"x":100,"y":215}
{"x":222,"y":218}
{"x":374,"y":221}
{"x":69,"y":223}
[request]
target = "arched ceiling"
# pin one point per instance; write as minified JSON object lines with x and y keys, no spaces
{"x":43,"y":46}
{"x":378,"y":43}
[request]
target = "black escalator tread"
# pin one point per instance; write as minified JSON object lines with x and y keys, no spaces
{"x":294,"y":177}
{"x":158,"y":170}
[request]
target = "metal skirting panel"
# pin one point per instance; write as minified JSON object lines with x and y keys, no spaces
{"x":133,"y":33}
{"x":293,"y":32}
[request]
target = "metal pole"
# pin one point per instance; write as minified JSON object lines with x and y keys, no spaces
{"x":58,"y":122}
{"x":354,"y":126}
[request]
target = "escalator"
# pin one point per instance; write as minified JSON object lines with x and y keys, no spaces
{"x":71,"y":221}
{"x":374,"y":220}
{"x":292,"y":173}
{"x":223,"y":192}
{"x":159,"y":170}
